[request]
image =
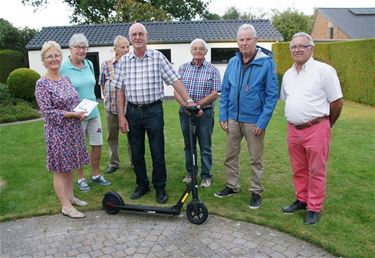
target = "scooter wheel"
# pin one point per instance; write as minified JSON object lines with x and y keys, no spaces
{"x":196,"y":213}
{"x":111,"y":201}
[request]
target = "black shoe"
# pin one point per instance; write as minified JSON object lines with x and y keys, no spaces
{"x":297,"y":205}
{"x":255,"y":201}
{"x":312,"y":217}
{"x":111,"y":169}
{"x":139,"y":192}
{"x":161,"y":195}
{"x":227,"y":191}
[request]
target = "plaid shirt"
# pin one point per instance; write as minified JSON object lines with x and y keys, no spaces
{"x":142,"y":78}
{"x":109,"y":91}
{"x":200,"y":81}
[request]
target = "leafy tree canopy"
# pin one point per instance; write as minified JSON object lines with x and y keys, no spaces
{"x":14,"y":38}
{"x":291,"y":21}
{"x":108,"y":11}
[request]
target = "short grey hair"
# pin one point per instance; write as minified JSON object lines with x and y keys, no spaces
{"x":138,"y":24}
{"x":303,"y":34}
{"x":248,"y":27}
{"x":198,"y":41}
{"x":78,"y":39}
{"x":47,"y":46}
{"x":117,"y":40}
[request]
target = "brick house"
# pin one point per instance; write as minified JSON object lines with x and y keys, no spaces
{"x":343,"y":23}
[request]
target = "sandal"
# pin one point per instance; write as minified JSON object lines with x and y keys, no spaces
{"x":77,"y":202}
{"x":72,"y":213}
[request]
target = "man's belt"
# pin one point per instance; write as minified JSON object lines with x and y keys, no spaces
{"x":145,"y":106}
{"x":311,"y":123}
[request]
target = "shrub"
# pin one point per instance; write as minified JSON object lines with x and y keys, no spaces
{"x":18,"y":112}
{"x":6,"y":97}
{"x":21,"y":82}
{"x":10,"y":60}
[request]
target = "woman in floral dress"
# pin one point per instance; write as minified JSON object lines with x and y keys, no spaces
{"x":65,"y":146}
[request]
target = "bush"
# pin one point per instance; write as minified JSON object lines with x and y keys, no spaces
{"x":6,"y":97}
{"x":18,"y":112}
{"x":10,"y":60}
{"x":21,"y":82}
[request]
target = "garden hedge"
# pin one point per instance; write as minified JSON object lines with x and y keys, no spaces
{"x":10,"y":60}
{"x":354,"y":62}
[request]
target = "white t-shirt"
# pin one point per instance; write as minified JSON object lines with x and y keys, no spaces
{"x":307,"y":94}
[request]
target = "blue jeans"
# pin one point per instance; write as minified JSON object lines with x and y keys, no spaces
{"x":148,"y":120}
{"x":203,"y":131}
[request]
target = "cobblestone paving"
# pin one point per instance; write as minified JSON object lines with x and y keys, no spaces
{"x":142,"y":235}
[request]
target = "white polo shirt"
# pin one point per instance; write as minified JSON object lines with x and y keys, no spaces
{"x":307,"y":94}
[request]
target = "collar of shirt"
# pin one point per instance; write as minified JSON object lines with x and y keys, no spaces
{"x":306,"y":65}
{"x":132,"y":55}
{"x":203,"y":64}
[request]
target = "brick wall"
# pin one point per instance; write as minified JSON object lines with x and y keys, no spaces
{"x":320,"y":30}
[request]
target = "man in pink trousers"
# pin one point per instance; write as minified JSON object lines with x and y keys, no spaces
{"x":313,"y":102}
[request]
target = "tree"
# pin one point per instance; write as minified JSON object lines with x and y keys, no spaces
{"x":233,"y":13}
{"x":291,"y":21}
{"x":108,"y":11}
{"x":14,"y":38}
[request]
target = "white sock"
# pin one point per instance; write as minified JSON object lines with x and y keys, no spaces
{"x":95,"y":177}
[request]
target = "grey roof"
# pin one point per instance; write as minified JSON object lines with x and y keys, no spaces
{"x":357,"y":23}
{"x":159,"y":32}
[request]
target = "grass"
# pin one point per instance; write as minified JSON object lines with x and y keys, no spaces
{"x":347,"y":225}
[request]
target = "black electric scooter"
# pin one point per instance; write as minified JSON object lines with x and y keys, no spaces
{"x":196,"y":211}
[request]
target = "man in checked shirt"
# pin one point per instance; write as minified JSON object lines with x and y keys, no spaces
{"x":143,"y":73}
{"x":202,"y":81}
{"x":109,"y":93}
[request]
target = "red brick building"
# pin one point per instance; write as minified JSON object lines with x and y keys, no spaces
{"x":343,"y":23}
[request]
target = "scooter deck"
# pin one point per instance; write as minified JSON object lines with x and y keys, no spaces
{"x":150,"y":209}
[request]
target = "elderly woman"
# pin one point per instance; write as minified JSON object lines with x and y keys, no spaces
{"x":65,"y":146}
{"x":81,"y":73}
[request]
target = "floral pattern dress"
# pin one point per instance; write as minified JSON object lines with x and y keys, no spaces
{"x":65,"y":147}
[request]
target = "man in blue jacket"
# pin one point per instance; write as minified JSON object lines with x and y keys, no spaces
{"x":249,"y":93}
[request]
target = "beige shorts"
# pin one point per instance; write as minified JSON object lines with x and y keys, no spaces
{"x":93,"y":131}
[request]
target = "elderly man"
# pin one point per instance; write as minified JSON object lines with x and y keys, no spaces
{"x":202,"y":81}
{"x":141,"y":77}
{"x":249,"y":95}
{"x":109,"y":92}
{"x":313,"y":102}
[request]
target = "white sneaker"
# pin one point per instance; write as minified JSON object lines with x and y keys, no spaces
{"x":77,"y":202}
{"x":206,"y":182}
{"x":73,"y":213}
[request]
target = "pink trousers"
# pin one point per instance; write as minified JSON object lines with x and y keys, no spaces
{"x":308,"y":152}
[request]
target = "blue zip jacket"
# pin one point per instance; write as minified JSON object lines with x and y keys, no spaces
{"x":249,"y":95}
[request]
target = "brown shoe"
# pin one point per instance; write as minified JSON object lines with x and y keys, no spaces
{"x":73,"y":213}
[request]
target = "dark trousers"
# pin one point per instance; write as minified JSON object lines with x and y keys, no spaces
{"x":150,"y":120}
{"x":203,"y":131}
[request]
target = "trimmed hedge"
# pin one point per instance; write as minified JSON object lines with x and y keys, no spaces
{"x":354,"y":62}
{"x":10,"y":60}
{"x":21,"y":82}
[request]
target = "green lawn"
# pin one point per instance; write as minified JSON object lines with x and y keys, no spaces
{"x":347,"y":226}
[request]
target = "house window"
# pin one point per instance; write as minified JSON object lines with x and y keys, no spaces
{"x":222,"y":55}
{"x":166,"y":53}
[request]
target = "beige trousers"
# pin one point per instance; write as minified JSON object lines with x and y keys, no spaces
{"x":112,"y":139}
{"x":236,"y":131}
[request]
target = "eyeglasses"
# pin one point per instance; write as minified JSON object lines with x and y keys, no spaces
{"x":51,"y":57}
{"x":298,"y":48}
{"x":198,"y":49}
{"x":80,"y":47}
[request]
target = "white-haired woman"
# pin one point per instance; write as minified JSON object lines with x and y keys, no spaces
{"x":81,"y":73}
{"x":65,"y":146}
